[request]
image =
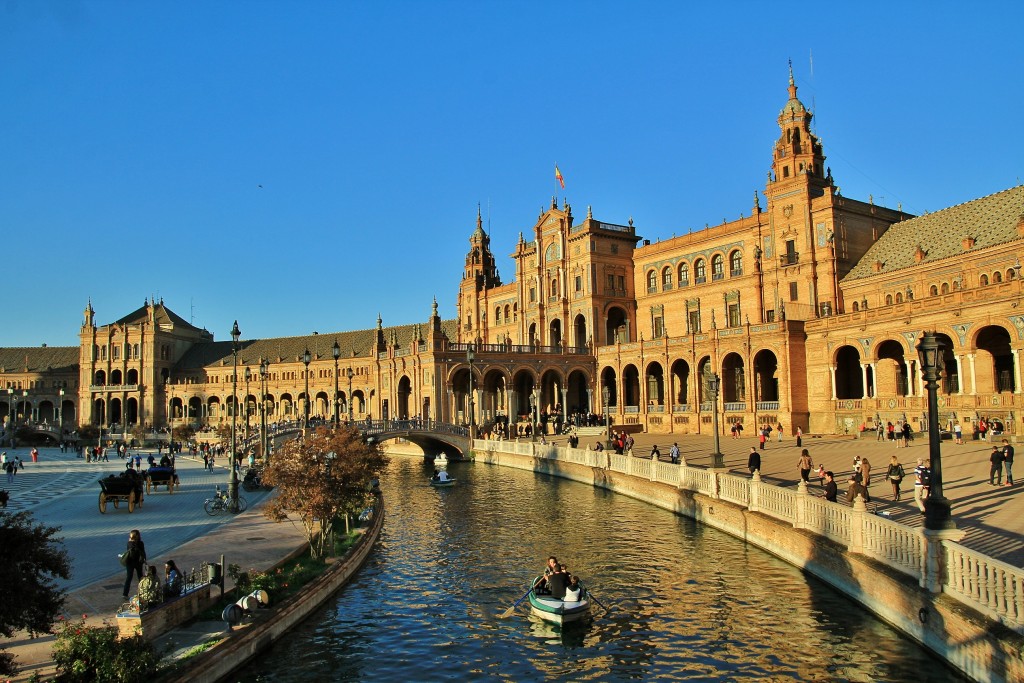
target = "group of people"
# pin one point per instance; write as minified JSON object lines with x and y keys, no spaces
{"x":151,"y":592}
{"x":900,"y":433}
{"x":10,"y":465}
{"x":558,"y":582}
{"x":1001,"y":458}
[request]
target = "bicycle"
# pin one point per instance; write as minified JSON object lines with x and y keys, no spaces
{"x":222,"y":503}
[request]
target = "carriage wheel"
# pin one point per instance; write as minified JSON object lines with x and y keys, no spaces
{"x":131,"y":502}
{"x":103,"y":503}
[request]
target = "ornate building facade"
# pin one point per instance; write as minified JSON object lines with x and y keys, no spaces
{"x":808,"y":308}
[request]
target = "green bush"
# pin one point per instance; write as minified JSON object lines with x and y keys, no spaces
{"x":84,"y":653}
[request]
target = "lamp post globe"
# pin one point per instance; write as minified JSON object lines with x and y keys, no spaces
{"x":348,"y":399}
{"x":937,"y":512}
{"x":233,"y":469}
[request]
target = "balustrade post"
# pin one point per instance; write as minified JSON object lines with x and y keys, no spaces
{"x":715,"y":491}
{"x":753,"y":500}
{"x":860,"y":509}
{"x":654,"y":468}
{"x":800,"y":514}
{"x":934,"y":559}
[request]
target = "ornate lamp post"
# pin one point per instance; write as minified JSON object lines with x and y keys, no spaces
{"x":606,"y":395}
{"x":534,"y":400}
{"x":248,"y":378}
{"x":264,"y":373}
{"x":169,"y":391}
{"x":470,"y":356}
{"x":306,"y":358}
{"x":233,"y":478}
{"x":336,"y":350}
{"x":28,"y":415}
{"x":348,"y":399}
{"x":60,"y":412}
{"x":11,"y":411}
{"x":717,"y":459}
{"x":936,"y":507}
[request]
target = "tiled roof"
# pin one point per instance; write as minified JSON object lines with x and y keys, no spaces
{"x":161,"y":314}
{"x":38,"y":358}
{"x":991,"y":221}
{"x":354,"y":344}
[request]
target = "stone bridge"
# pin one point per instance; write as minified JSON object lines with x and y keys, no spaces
{"x":432,"y":436}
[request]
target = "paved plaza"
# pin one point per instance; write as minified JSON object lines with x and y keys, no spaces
{"x":61,"y":490}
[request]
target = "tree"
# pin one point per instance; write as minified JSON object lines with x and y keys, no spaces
{"x":32,"y":559}
{"x":322,"y":479}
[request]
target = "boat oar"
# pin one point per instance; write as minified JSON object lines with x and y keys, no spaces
{"x":599,"y":603}
{"x":507,"y":613}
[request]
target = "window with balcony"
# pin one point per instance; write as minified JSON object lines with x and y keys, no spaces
{"x":700,"y":275}
{"x":694,"y":318}
{"x":684,"y":274}
{"x":733,"y":315}
{"x":792,"y":256}
{"x":666,"y":279}
{"x":652,"y":282}
{"x":717,"y":267}
{"x":736,"y":263}
{"x":659,"y":327}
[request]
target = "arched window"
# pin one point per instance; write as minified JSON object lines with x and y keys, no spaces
{"x":888,"y":299}
{"x":997,"y":277}
{"x":984,"y":280}
{"x":684,"y":274}
{"x":507,"y":311}
{"x":736,"y":263}
{"x":899,"y":297}
{"x":856,"y":306}
{"x":944,"y":289}
{"x":666,"y":278}
{"x":652,"y":282}
{"x":717,"y":267}
{"x":1011,"y":274}
{"x":515,"y":312}
{"x":699,"y":271}
{"x":497,"y":315}
{"x":933,"y":290}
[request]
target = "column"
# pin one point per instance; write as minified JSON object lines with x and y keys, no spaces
{"x":974,"y":376}
{"x":864,"y":380}
{"x":1016,"y":370}
{"x":832,"y":380}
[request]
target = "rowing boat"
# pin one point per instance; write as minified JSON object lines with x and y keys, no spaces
{"x":559,"y":611}
{"x":441,"y":483}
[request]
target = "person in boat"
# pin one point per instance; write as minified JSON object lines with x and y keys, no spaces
{"x":542,"y":587}
{"x":558,"y":582}
{"x":442,"y":476}
{"x":574,"y":591}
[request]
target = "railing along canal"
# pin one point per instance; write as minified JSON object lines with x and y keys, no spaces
{"x":990,"y":586}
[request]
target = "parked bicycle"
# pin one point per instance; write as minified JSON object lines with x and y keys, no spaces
{"x":222,"y":503}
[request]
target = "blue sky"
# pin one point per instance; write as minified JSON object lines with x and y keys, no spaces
{"x":302,"y":166}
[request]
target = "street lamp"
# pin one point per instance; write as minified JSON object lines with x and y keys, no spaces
{"x":348,"y":399}
{"x":336,"y":350}
{"x":306,"y":358}
{"x":472,"y":421}
{"x":24,"y":399}
{"x":534,"y":400}
{"x":60,"y":412}
{"x":264,"y":374}
{"x":169,"y":390}
{"x":606,"y":395}
{"x":233,"y":479}
{"x":248,"y":378}
{"x":936,"y":507}
{"x":10,"y":409}
{"x":717,"y":459}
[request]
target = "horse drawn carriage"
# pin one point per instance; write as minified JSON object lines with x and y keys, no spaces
{"x":117,"y":488}
{"x":161,"y":476}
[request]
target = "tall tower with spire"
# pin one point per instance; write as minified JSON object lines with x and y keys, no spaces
{"x":479,"y":275}
{"x":798,"y":159}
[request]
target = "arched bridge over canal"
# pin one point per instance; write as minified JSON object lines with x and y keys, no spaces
{"x":432,"y":436}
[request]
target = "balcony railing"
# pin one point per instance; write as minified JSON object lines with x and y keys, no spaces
{"x":789,"y":259}
{"x":113,"y":387}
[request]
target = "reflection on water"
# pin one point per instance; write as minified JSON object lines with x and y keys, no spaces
{"x":685,"y":602}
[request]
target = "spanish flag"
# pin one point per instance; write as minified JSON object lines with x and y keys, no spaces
{"x":558,"y":177}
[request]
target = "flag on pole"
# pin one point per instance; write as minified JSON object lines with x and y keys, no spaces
{"x":558,"y":177}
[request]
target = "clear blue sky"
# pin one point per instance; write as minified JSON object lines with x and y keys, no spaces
{"x":302,"y":166}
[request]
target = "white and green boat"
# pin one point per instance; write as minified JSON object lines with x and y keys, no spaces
{"x":559,"y":611}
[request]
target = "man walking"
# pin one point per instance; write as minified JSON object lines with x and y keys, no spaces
{"x":1008,"y":462}
{"x":922,"y":478}
{"x":754,"y":460}
{"x":673,"y":454}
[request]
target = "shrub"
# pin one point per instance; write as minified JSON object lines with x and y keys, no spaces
{"x":84,"y":653}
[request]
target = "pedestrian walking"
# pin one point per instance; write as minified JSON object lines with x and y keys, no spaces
{"x":958,"y":433}
{"x":804,"y":464}
{"x":673,"y":453}
{"x":779,"y":428}
{"x":922,"y":480}
{"x":754,"y":460}
{"x":799,"y":437}
{"x":134,"y":558}
{"x":895,"y":476}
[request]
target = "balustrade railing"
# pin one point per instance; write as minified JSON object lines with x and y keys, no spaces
{"x":990,"y":586}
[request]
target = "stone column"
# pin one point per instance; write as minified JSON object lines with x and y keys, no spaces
{"x":974,"y":377}
{"x":959,"y":375}
{"x":874,"y":377}
{"x":864,"y":380}
{"x":1016,"y":370}
{"x":832,"y":380}
{"x":935,"y":569}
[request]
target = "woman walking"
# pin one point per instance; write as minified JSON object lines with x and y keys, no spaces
{"x":134,"y":558}
{"x":805,"y":465}
{"x":895,"y":476}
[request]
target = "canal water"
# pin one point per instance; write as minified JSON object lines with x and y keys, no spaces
{"x":685,"y":602}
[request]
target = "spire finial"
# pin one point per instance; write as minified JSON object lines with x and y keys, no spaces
{"x":791,"y":81}
{"x":433,"y":308}
{"x":479,"y":217}
{"x":590,"y":212}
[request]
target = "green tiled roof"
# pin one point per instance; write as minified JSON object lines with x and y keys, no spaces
{"x":39,"y":358}
{"x":991,"y":221}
